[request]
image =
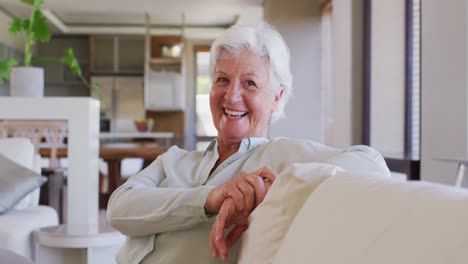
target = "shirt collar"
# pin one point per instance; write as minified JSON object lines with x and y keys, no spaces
{"x":246,"y":145}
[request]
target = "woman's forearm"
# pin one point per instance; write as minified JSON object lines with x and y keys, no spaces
{"x":142,"y":207}
{"x":138,"y":210}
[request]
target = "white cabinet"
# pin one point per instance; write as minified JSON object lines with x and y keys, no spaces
{"x":164,"y":82}
{"x":164,"y":91}
{"x":123,"y":100}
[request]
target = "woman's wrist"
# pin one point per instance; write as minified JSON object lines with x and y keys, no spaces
{"x":213,"y":202}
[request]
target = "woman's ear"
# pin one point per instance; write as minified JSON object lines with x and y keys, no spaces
{"x":278,"y":96}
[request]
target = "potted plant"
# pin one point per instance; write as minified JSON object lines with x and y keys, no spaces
{"x":27,"y":80}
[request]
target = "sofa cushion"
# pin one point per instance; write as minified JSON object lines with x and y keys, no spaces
{"x":270,"y":221}
{"x":16,"y":182}
{"x":361,"y":219}
{"x":21,"y":151}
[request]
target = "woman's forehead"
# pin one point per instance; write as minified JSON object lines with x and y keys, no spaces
{"x":244,"y":61}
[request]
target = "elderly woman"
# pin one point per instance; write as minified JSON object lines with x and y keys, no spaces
{"x":177,"y":209}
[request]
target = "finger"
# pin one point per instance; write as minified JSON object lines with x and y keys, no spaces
{"x":249,"y":196}
{"x":267,"y":173}
{"x":220,"y":242}
{"x":237,"y":196}
{"x":259,"y":187}
{"x":234,"y":235}
{"x":214,"y":250}
{"x":267,"y":186}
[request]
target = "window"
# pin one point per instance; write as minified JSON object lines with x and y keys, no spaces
{"x":392,"y":119}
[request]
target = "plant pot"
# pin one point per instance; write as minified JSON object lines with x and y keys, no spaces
{"x":27,"y":82}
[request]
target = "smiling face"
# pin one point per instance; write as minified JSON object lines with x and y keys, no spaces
{"x":242,"y":98}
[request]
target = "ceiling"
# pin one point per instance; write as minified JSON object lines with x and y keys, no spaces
{"x":128,"y":17}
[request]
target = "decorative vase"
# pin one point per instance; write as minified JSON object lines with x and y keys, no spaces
{"x":27,"y":82}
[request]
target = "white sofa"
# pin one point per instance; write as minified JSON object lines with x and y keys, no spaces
{"x":18,"y":224}
{"x":356,"y":218}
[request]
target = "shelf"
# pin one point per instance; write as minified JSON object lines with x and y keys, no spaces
{"x":166,"y":60}
{"x":117,"y":74}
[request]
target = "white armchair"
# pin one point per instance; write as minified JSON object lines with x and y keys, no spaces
{"x":18,"y":224}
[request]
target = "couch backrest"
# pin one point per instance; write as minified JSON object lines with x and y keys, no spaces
{"x":362,"y":219}
{"x":270,"y":221}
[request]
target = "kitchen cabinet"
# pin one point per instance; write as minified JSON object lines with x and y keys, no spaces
{"x":164,"y":91}
{"x":164,"y":82}
{"x":122,"y":101}
{"x":117,"y":54}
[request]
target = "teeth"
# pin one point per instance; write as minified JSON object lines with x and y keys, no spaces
{"x":234,"y":113}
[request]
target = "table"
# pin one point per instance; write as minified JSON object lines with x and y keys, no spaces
{"x":461,"y":168}
{"x":114,"y":153}
{"x":154,"y":136}
{"x":88,"y":244}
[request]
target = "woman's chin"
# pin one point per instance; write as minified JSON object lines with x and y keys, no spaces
{"x":233,"y":133}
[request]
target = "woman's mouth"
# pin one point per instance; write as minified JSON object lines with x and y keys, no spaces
{"x":234,"y":114}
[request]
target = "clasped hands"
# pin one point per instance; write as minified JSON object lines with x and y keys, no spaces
{"x":234,"y":201}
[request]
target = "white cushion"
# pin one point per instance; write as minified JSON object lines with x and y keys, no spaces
{"x":16,"y":182}
{"x":32,"y":199}
{"x":270,"y":221}
{"x":16,"y":228}
{"x":21,"y":151}
{"x":361,"y":219}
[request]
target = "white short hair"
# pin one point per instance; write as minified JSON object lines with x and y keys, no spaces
{"x":262,"y":40}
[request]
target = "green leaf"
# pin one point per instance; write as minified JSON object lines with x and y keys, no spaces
{"x":72,"y":63}
{"x":25,"y":24}
{"x":18,"y":25}
{"x":5,"y":68}
{"x":40,"y":28}
{"x":35,"y":3}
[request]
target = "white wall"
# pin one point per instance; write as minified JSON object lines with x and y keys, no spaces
{"x":387,"y":132}
{"x":340,"y":103}
{"x":344,"y":108}
{"x":299,"y":23}
{"x":444,"y":87}
{"x":5,"y":37}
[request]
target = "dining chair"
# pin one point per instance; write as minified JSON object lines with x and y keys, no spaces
{"x":51,"y":134}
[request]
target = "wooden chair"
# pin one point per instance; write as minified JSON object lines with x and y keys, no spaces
{"x":41,"y":133}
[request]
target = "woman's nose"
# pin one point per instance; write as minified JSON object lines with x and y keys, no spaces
{"x":233,"y":92}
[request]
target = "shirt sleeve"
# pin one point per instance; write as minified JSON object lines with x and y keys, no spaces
{"x":140,"y":207}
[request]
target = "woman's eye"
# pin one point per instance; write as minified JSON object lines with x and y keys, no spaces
{"x":251,"y":83}
{"x":221,"y":80}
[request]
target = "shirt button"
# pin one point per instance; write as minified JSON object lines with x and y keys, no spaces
{"x":246,"y":142}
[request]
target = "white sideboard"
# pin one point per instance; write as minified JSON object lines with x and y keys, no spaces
{"x":84,"y":239}
{"x":82,"y":115}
